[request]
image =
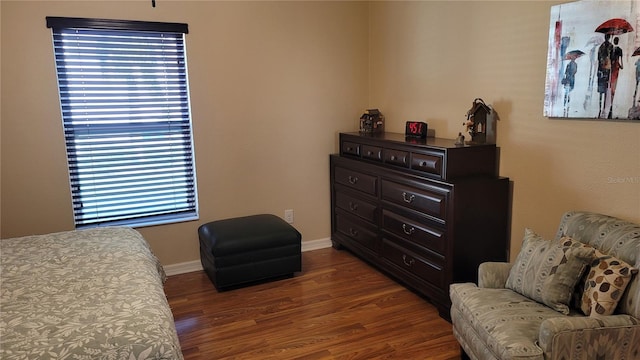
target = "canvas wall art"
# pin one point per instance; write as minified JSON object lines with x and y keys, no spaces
{"x":593,"y":61}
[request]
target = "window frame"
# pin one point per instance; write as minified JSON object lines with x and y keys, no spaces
{"x":58,"y":24}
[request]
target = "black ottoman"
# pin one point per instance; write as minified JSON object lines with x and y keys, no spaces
{"x":248,"y":249}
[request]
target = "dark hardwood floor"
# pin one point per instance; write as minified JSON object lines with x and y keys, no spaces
{"x":338,"y":307}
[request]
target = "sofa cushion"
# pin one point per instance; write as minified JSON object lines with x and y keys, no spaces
{"x":547,"y":271}
{"x":613,"y":236}
{"x":605,"y":283}
{"x":499,"y":321}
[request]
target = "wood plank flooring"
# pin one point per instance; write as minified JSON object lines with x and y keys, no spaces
{"x":338,"y":307}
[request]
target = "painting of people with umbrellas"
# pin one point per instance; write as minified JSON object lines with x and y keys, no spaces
{"x":593,"y":61}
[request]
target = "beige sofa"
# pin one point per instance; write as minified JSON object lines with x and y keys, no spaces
{"x":494,"y":320}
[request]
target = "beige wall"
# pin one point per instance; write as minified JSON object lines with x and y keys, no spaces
{"x":272,"y":83}
{"x":299,"y":72}
{"x":430,"y":59}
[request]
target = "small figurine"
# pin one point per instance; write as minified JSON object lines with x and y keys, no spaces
{"x":460,"y":139}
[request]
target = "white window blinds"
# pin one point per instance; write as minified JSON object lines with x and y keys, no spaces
{"x":125,"y":109}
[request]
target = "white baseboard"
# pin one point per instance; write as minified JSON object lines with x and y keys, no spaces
{"x":316,"y":244}
{"x":183,"y":267}
{"x":195,"y":265}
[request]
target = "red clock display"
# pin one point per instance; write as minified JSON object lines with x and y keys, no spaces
{"x":416,"y":129}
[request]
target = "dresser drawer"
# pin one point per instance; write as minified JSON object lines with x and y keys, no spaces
{"x":361,"y":233}
{"x":413,"y":263}
{"x":356,"y":180}
{"x":372,"y":152}
{"x":414,"y":231}
{"x":350,"y":148}
{"x":396,"y":157}
{"x":355,"y":206}
{"x":428,"y":163}
{"x":429,"y":202}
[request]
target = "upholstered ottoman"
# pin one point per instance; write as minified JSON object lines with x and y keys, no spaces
{"x":248,"y":249}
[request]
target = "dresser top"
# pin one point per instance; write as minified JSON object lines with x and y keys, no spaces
{"x":402,"y":139}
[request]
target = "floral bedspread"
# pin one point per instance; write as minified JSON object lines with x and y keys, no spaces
{"x":85,"y":294}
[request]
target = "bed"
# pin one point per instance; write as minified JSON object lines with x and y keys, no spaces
{"x":84,"y":294}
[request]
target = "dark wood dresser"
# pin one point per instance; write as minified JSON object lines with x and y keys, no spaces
{"x":425,"y":211}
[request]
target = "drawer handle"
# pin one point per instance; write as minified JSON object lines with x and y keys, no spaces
{"x":393,"y":158}
{"x":423,"y":164}
{"x":408,"y":230}
{"x":353,"y":206}
{"x":353,"y":232}
{"x":407,"y":199}
{"x":353,"y":180}
{"x":408,"y":263}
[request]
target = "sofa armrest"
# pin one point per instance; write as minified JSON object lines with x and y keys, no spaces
{"x":493,"y":274}
{"x":611,"y":337}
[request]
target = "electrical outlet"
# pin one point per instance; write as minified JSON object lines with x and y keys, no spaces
{"x":288,"y":216}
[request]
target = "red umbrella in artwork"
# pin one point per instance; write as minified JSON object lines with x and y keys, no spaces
{"x":615,"y":26}
{"x":573,"y":54}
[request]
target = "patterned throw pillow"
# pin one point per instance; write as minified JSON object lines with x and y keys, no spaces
{"x":547,"y":271}
{"x":605,"y":284}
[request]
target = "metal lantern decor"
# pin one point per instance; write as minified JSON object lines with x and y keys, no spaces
{"x":371,"y":122}
{"x":480,"y":123}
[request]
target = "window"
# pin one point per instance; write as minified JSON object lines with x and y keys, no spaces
{"x":127,"y":125}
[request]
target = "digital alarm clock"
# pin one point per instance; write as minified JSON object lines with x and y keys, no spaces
{"x":416,"y":129}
